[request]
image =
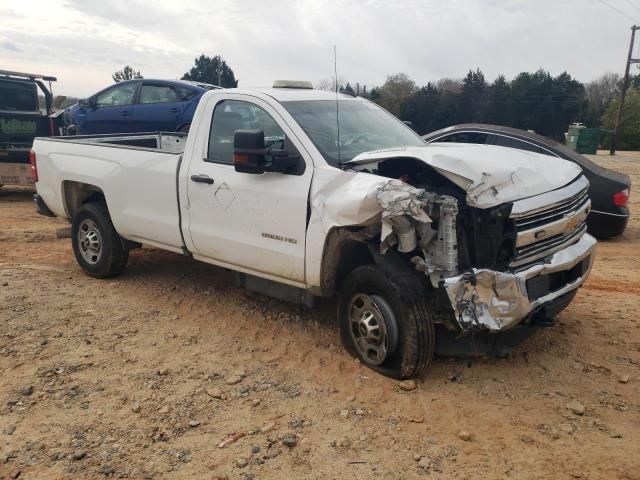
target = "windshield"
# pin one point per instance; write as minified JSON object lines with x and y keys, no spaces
{"x":363,"y":127}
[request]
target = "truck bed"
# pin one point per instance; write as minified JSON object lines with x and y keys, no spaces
{"x":136,"y":173}
{"x":169,"y":142}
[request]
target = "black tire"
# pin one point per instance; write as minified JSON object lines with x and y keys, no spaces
{"x":112,"y":256}
{"x":415,"y":337}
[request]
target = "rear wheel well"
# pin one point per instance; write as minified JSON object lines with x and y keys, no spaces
{"x":76,"y":194}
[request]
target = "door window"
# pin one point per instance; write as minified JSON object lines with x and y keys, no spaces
{"x":465,"y":137}
{"x":157,"y":94}
{"x":232,"y":115}
{"x":186,"y":93}
{"x":519,"y":144}
{"x":117,"y":96}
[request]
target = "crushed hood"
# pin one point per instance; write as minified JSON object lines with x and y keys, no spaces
{"x":490,"y":175}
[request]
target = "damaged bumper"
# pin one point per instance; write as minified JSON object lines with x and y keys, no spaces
{"x":495,"y":301}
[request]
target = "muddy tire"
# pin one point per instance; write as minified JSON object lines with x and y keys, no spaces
{"x":96,"y":244}
{"x":387,"y":331}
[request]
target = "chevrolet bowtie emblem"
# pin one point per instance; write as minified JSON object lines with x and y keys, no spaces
{"x":571,"y":223}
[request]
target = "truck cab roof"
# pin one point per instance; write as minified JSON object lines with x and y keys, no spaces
{"x":293,"y":94}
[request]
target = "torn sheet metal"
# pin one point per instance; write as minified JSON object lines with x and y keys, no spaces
{"x":345,"y":198}
{"x":338,"y":198}
{"x":489,"y":300}
{"x":408,"y":216}
{"x":490,"y":175}
{"x":486,"y":299}
{"x":401,"y":202}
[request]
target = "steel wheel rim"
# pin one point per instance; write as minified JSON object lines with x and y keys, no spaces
{"x":89,"y":241}
{"x":370,"y":329}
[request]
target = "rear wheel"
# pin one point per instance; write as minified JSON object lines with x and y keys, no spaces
{"x":389,"y":332}
{"x":97,"y":246}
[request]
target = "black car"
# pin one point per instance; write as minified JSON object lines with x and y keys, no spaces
{"x":609,"y":190}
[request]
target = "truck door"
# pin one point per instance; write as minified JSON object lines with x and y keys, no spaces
{"x":247,"y":221}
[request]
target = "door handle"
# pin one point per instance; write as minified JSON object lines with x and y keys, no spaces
{"x":202,"y":179}
{"x":174,"y":110}
{"x":124,"y":113}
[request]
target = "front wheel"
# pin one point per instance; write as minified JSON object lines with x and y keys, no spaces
{"x":97,"y":246}
{"x":382,"y":327}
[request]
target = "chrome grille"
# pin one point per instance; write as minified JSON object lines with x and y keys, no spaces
{"x":542,"y":231}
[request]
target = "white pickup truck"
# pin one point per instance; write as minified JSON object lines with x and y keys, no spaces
{"x":446,"y":249}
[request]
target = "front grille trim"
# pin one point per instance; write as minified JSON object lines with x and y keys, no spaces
{"x":570,"y":201}
{"x":550,"y":215}
{"x":547,"y":249}
{"x":550,"y":200}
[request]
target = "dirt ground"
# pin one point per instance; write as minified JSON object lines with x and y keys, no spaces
{"x":143,"y":376}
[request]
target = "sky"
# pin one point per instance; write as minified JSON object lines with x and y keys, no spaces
{"x":82,"y":42}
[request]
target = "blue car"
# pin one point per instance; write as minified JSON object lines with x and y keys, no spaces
{"x":137,"y":106}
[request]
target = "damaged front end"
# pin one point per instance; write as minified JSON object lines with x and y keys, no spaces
{"x":499,"y":266}
{"x":493,"y":300}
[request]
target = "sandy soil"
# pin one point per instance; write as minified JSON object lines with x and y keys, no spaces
{"x":132,"y":378}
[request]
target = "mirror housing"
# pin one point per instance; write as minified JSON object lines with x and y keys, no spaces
{"x":85,"y":102}
{"x":282,"y":161}
{"x":249,"y":155}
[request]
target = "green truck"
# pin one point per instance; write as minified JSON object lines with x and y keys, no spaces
{"x":22,"y":118}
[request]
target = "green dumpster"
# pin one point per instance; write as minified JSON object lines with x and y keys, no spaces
{"x":583,"y":140}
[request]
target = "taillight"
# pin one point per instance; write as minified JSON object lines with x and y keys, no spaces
{"x":34,"y":167}
{"x":621,"y":199}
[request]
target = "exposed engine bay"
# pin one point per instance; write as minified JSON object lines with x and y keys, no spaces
{"x":420,"y":207}
{"x":467,"y":251}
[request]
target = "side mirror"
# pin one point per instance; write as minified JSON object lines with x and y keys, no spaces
{"x":84,"y":102}
{"x":282,"y":161}
{"x":249,"y":155}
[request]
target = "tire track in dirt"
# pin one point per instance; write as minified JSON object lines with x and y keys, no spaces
{"x":611,"y":285}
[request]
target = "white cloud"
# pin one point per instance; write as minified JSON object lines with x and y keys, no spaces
{"x":83,"y":42}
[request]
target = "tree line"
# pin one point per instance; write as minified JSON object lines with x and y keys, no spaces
{"x":534,"y":101}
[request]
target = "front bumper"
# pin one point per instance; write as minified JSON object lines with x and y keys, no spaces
{"x":495,"y":301}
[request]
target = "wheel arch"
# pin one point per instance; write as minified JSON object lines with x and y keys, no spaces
{"x":348,"y":248}
{"x":76,"y":194}
{"x":183,"y":124}
{"x":345,"y":249}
